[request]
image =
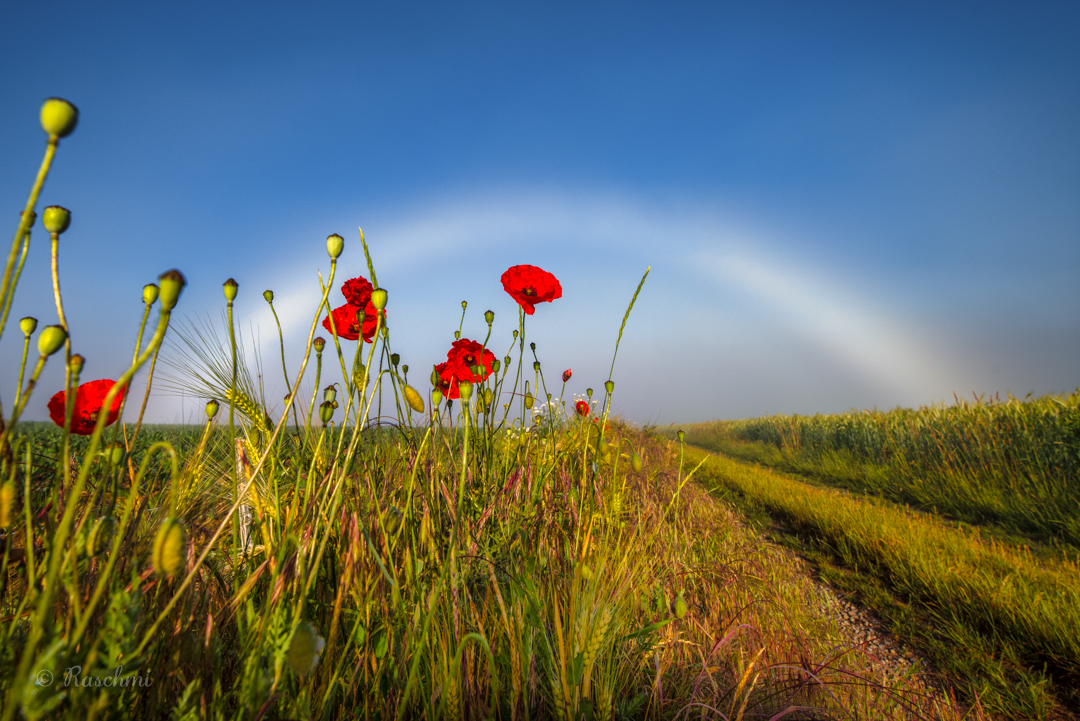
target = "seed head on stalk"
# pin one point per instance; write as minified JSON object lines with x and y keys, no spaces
{"x":59,"y":117}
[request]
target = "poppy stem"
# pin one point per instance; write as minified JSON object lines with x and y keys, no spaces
{"x":7,"y":284}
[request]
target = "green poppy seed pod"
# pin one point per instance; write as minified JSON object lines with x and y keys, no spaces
{"x":149,"y":294}
{"x":515,"y":335}
{"x":413,"y":399}
{"x":436,"y":398}
{"x":682,"y":436}
{"x":464,"y":305}
{"x":230,"y":287}
{"x":609,"y":386}
{"x":489,"y":316}
{"x":506,"y":360}
{"x":457,"y":335}
{"x":170,"y":545}
{"x":304,"y":649}
{"x":51,"y":339}
{"x":326,"y":411}
{"x":404,"y":369}
{"x":268,"y":296}
{"x":171,"y":283}
{"x":532,"y":346}
{"x":536,"y":366}
{"x":77,"y":362}
{"x":318,"y":344}
{"x":378,"y":298}
{"x":528,"y":400}
{"x":495,"y":365}
{"x":56,"y":219}
{"x":334,"y":245}
{"x":635,"y":462}
{"x":395,"y":359}
{"x":115,"y":454}
{"x":329,"y":394}
{"x":7,"y":504}
{"x":28,"y":325}
{"x":59,"y":117}
{"x":211,"y":408}
{"x":465,"y":390}
{"x":588,"y":392}
{"x":100,"y":536}
{"x":680,"y":606}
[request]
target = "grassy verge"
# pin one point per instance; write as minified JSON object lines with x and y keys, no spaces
{"x":1003,"y":627}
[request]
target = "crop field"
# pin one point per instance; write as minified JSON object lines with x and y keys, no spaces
{"x":956,"y":524}
{"x":466,"y":544}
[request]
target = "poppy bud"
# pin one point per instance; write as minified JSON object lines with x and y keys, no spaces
{"x":361,"y":378}
{"x":50,"y":339}
{"x":149,"y":294}
{"x":436,"y":398}
{"x":395,"y":359}
{"x":7,"y":504}
{"x":609,"y":386}
{"x":378,"y":298}
{"x":114,"y":454}
{"x":59,"y":117}
{"x":682,"y":435}
{"x":304,"y":649}
{"x":172,"y":284}
{"x":680,"y":606}
{"x":528,"y":400}
{"x":318,"y":344}
{"x":488,"y":396}
{"x":489,"y":316}
{"x":464,"y":305}
{"x":435,"y":377}
{"x":477,"y":371}
{"x":268,"y":296}
{"x":635,"y":462}
{"x":536,"y":366}
{"x":211,"y":408}
{"x":464,"y":390}
{"x":169,"y":547}
{"x":56,"y":219}
{"x":77,"y":362}
{"x":326,"y":412}
{"x":588,"y":392}
{"x":495,"y":366}
{"x":334,"y":245}
{"x":28,"y":325}
{"x":566,"y":375}
{"x":230,"y":290}
{"x":586,"y":572}
{"x":413,"y":399}
{"x":100,"y":535}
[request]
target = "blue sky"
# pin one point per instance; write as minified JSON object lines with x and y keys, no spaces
{"x":843,"y":204}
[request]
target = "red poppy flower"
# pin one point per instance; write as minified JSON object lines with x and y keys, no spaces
{"x":461,"y":358}
{"x":529,"y":285}
{"x":357,"y":291}
{"x":582,"y":408}
{"x":88,"y":400}
{"x":566,"y":375}
{"x":347,"y":323}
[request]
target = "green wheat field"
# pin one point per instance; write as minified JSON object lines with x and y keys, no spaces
{"x":463,"y":543}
